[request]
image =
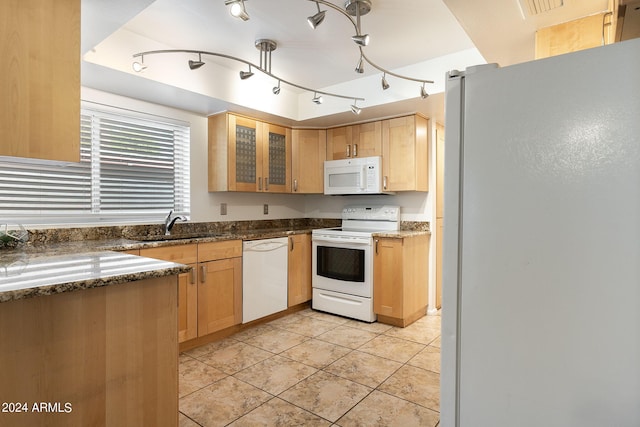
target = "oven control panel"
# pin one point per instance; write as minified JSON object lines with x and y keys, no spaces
{"x":371,"y":213}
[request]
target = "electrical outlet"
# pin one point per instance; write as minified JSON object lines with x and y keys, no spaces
{"x":223,"y":208}
{"x":265,"y":209}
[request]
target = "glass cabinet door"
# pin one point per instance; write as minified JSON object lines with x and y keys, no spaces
{"x":276,"y":158}
{"x":259,"y":156}
{"x":245,"y":153}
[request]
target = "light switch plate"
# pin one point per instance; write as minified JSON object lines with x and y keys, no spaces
{"x":265,"y":209}
{"x":223,"y":208}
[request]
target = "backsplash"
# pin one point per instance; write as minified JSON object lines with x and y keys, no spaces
{"x":415,"y":226}
{"x":61,"y":235}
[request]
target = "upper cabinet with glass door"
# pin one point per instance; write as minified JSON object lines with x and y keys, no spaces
{"x":248,"y":155}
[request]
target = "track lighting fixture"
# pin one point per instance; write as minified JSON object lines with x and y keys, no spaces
{"x":355,"y":109}
{"x":352,"y":8}
{"x":423,"y":92}
{"x":237,"y":9}
{"x":385,"y":84}
{"x":359,"y":8}
{"x":139,"y":66}
{"x":316,"y":19}
{"x":244,"y":75}
{"x":360,"y":66}
{"x":265,"y":46}
{"x":194,"y":65}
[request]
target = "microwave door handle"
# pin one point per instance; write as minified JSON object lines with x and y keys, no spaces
{"x":363,"y":178}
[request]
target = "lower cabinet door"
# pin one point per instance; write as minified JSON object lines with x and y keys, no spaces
{"x":219,"y":295}
{"x":299,"y":266}
{"x":388,"y":278}
{"x":187,"y":305}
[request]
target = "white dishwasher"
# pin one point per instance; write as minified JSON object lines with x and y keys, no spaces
{"x":264,"y":277}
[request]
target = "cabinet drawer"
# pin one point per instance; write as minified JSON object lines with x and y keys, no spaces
{"x":219,"y":250}
{"x":183,"y":254}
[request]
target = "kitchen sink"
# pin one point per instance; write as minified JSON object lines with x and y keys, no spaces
{"x":182,"y":236}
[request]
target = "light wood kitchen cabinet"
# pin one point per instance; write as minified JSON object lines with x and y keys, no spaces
{"x":248,"y":155}
{"x":110,"y":351}
{"x":339,"y":143}
{"x":400,"y":279}
{"x":308,"y":153}
{"x":187,"y":288}
{"x":40,"y":85}
{"x":405,"y":157}
{"x":366,"y":139}
{"x":362,"y":140}
{"x":210,"y":295}
{"x":219,"y":285}
{"x":584,"y":33}
{"x":299,"y":266}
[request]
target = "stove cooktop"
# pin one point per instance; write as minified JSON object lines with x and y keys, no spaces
{"x":364,"y":221}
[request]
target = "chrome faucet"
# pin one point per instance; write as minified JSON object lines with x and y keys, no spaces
{"x":169,"y":222}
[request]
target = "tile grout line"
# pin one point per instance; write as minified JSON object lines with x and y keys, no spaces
{"x":283,"y":327}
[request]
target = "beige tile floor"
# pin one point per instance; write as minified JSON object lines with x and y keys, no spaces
{"x":315,"y":369}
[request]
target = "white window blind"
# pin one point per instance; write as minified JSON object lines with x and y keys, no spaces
{"x":131,"y":168}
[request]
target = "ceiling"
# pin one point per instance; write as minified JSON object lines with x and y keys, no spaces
{"x":419,"y":38}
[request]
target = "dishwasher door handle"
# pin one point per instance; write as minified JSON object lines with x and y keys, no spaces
{"x":265,"y":247}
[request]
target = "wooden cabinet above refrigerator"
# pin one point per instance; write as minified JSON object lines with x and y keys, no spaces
{"x":40,"y":85}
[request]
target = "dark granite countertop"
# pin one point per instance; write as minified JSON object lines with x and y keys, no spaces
{"x":402,"y":234}
{"x":37,"y":269}
{"x":64,"y":260}
{"x":25,"y":275}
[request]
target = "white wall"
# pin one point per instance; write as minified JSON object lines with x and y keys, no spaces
{"x":205,"y":206}
{"x":415,"y":206}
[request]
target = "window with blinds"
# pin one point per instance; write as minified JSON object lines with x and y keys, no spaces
{"x":130,"y":168}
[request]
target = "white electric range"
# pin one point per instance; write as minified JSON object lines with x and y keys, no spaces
{"x":342,"y":261}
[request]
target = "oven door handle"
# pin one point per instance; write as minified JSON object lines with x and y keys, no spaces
{"x":342,"y":241}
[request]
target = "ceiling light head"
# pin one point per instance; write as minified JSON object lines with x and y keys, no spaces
{"x":139,"y":66}
{"x":423,"y":92}
{"x":244,"y":75}
{"x":237,"y":9}
{"x":276,"y":89}
{"x":194,"y":65}
{"x":361,"y":39}
{"x":355,"y":109}
{"x":360,"y":66}
{"x":385,"y":83}
{"x":316,"y":19}
{"x":317,"y":98}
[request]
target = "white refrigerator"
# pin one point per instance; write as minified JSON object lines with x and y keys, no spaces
{"x":541,"y":275}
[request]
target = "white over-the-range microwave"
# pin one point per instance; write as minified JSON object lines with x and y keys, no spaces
{"x":358,"y":175}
